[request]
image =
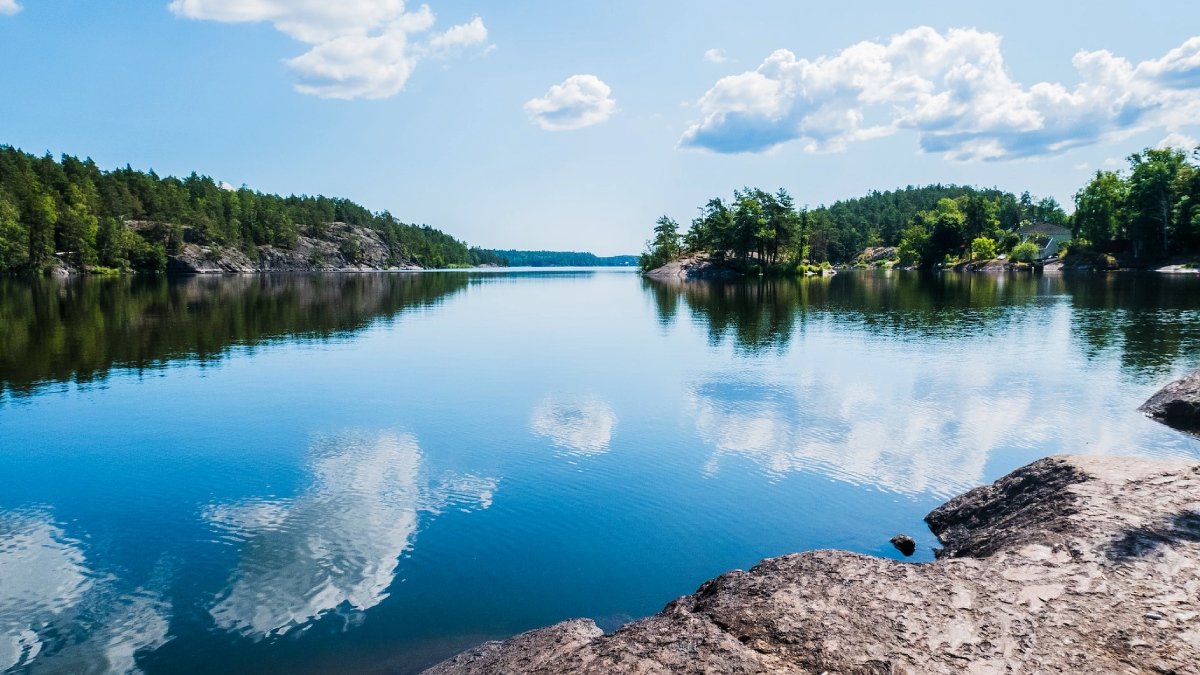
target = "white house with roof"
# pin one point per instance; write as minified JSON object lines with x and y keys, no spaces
{"x":1047,"y":236}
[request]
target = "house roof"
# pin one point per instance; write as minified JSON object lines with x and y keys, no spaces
{"x":1048,"y":229}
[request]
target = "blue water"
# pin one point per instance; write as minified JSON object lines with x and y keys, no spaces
{"x":371,"y":472}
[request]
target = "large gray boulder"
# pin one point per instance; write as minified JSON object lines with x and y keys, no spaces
{"x":1070,"y":564}
{"x":1177,"y":404}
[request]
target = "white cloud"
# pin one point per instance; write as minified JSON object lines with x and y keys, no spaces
{"x":580,"y":101}
{"x":1179,"y":141}
{"x":580,"y":425}
{"x":463,"y":35}
{"x":9,"y":7}
{"x":358,"y":48}
{"x":715,"y":56}
{"x":953,"y":90}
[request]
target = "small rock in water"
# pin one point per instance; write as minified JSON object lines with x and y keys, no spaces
{"x":904,"y":544}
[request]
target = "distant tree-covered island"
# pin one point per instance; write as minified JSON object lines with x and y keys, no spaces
{"x":513,"y":258}
{"x":1147,"y":215}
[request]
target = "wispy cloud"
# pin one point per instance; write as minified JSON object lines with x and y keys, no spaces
{"x":580,"y":101}
{"x":1178,"y":140}
{"x":715,"y":56}
{"x":358,"y":48}
{"x":9,"y":7}
{"x":953,"y":90}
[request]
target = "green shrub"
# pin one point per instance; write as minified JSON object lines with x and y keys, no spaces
{"x":1026,"y":252}
{"x":983,"y":248}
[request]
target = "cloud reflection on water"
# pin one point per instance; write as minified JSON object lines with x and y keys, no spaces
{"x":579,"y":425}
{"x":338,"y":543}
{"x":917,"y":431}
{"x":57,"y":615}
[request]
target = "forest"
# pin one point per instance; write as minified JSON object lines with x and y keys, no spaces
{"x":512,"y":258}
{"x":69,"y":209}
{"x":1147,"y":214}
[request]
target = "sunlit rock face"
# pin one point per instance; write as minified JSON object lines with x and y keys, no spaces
{"x":337,"y":544}
{"x":57,"y":615}
{"x":577,"y":425}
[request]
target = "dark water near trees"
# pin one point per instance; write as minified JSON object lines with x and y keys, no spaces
{"x":370,"y":472}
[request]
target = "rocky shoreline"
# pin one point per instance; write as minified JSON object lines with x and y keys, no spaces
{"x":1071,"y":563}
{"x":348,"y":248}
{"x":693,"y":267}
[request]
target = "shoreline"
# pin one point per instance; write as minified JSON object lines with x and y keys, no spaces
{"x":1069,"y":563}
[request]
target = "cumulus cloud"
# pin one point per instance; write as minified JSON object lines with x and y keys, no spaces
{"x":357,"y":48}
{"x":953,"y":90}
{"x":715,"y":56}
{"x":9,"y":7}
{"x":462,"y":35}
{"x":580,"y":101}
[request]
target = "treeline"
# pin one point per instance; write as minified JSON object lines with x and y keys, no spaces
{"x":127,"y":219}
{"x":512,"y":258}
{"x":767,"y":229}
{"x":1151,"y":213}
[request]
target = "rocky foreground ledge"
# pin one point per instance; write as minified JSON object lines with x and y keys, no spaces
{"x":1068,"y":564}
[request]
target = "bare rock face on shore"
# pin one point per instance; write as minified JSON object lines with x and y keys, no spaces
{"x":347,"y":248}
{"x":1177,"y":404}
{"x":692,"y":268}
{"x":1070,"y":564}
{"x":874,"y":254}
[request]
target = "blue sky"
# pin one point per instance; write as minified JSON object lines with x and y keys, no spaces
{"x":574,"y":125}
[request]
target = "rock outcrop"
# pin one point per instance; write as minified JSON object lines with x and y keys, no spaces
{"x":1177,"y":404}
{"x":1069,"y":564}
{"x":874,"y":254}
{"x":693,"y":268}
{"x":347,"y":248}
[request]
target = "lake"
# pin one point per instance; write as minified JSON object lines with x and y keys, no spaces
{"x":329,"y":473}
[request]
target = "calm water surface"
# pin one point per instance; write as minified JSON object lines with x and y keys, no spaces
{"x":371,"y":472}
